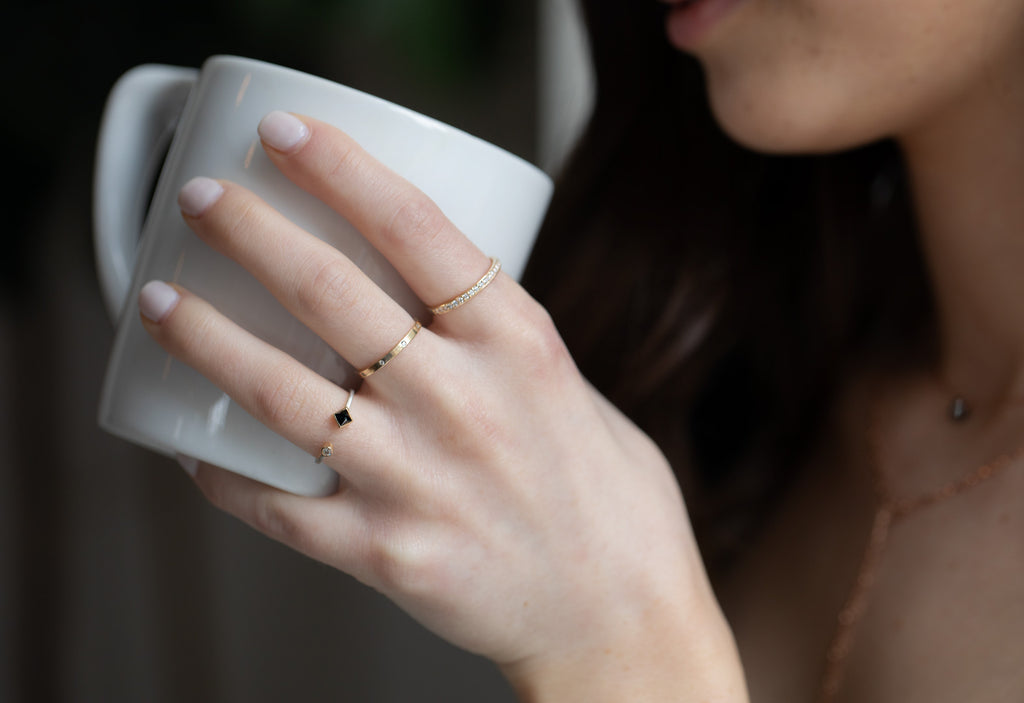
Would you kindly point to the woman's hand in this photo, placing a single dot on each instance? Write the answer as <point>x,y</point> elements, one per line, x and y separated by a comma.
<point>486,487</point>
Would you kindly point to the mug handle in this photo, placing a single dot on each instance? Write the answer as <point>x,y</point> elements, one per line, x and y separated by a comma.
<point>138,122</point>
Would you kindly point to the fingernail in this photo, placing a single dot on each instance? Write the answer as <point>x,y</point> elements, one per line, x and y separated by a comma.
<point>156,300</point>
<point>188,463</point>
<point>282,131</point>
<point>199,194</point>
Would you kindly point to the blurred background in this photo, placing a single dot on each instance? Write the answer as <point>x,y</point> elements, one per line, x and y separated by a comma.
<point>117,581</point>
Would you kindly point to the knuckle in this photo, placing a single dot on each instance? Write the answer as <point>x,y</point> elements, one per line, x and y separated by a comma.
<point>270,517</point>
<point>417,222</point>
<point>278,398</point>
<point>539,340</point>
<point>188,341</point>
<point>402,563</point>
<point>245,216</point>
<point>344,161</point>
<point>264,512</point>
<point>325,287</point>
<point>215,492</point>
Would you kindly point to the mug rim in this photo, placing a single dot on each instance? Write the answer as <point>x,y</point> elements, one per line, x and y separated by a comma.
<point>369,99</point>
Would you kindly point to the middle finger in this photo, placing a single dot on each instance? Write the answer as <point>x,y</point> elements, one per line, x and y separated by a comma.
<point>312,279</point>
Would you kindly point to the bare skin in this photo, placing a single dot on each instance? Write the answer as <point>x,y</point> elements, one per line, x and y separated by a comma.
<point>945,616</point>
<point>946,81</point>
<point>946,620</point>
<point>545,531</point>
<point>487,488</point>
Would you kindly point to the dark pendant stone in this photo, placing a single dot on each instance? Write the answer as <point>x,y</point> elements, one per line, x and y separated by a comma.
<point>958,409</point>
<point>343,417</point>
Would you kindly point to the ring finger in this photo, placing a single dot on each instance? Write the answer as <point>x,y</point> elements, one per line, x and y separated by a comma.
<point>287,397</point>
<point>312,279</point>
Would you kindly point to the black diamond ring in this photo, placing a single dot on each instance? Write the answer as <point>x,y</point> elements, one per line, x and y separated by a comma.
<point>342,417</point>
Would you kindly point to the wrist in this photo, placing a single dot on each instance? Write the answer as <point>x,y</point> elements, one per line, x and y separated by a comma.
<point>667,658</point>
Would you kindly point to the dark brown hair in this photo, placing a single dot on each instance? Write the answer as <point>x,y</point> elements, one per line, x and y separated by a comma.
<point>714,294</point>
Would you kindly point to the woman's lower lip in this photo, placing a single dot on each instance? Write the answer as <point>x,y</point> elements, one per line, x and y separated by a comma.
<point>689,24</point>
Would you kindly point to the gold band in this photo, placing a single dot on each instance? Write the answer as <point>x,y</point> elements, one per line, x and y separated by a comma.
<point>464,297</point>
<point>395,351</point>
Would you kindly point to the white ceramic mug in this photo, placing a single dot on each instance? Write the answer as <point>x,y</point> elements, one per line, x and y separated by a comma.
<point>210,117</point>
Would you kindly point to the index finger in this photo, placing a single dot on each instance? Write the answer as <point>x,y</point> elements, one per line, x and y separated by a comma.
<point>407,227</point>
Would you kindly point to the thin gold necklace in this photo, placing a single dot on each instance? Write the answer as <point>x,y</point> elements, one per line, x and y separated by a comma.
<point>890,511</point>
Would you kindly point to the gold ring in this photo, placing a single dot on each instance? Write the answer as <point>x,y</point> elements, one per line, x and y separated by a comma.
<point>464,297</point>
<point>342,417</point>
<point>395,351</point>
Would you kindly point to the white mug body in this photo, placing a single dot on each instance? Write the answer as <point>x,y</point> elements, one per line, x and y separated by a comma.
<point>149,398</point>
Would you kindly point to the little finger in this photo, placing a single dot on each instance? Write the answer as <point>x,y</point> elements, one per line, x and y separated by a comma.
<point>332,529</point>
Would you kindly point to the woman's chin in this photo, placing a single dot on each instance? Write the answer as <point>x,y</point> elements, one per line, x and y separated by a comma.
<point>767,122</point>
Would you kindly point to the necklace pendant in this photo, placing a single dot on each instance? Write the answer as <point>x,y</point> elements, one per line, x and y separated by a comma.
<point>958,410</point>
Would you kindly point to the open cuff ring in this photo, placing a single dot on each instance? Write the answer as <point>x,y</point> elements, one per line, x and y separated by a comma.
<point>395,351</point>
<point>343,417</point>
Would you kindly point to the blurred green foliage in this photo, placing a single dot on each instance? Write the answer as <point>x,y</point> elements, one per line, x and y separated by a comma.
<point>450,40</point>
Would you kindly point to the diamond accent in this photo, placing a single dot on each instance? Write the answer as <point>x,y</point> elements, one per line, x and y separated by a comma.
<point>325,451</point>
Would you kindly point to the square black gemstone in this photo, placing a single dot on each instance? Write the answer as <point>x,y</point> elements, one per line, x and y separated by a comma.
<point>343,417</point>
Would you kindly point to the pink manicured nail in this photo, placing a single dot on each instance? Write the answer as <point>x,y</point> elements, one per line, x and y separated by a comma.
<point>282,131</point>
<point>156,300</point>
<point>188,463</point>
<point>199,194</point>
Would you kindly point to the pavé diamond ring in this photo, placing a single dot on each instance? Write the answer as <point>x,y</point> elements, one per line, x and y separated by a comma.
<point>464,297</point>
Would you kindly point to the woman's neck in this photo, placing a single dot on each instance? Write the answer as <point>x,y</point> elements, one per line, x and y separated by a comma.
<point>967,174</point>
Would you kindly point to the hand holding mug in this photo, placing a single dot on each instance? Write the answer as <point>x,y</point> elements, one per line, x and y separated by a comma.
<point>212,116</point>
<point>484,485</point>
